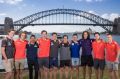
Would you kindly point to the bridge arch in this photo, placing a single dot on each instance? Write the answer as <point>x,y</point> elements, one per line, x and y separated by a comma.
<point>94,19</point>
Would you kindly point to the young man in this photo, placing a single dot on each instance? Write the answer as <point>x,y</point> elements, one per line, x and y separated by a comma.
<point>54,56</point>
<point>112,57</point>
<point>99,55</point>
<point>32,58</point>
<point>8,49</point>
<point>20,54</point>
<point>43,54</point>
<point>75,55</point>
<point>86,56</point>
<point>65,57</point>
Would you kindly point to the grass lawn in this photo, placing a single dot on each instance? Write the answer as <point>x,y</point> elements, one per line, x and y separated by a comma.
<point>93,75</point>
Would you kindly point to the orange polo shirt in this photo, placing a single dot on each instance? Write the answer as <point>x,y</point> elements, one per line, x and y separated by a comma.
<point>20,46</point>
<point>111,51</point>
<point>98,49</point>
<point>44,47</point>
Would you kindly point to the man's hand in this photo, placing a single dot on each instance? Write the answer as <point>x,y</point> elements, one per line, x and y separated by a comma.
<point>117,60</point>
<point>6,60</point>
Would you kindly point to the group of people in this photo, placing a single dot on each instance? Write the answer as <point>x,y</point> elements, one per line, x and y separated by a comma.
<point>43,56</point>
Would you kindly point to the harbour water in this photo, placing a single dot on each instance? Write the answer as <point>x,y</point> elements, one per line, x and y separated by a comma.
<point>103,36</point>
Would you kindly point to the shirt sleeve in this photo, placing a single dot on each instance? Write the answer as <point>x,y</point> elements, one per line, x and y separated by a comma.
<point>4,43</point>
<point>26,46</point>
<point>37,44</point>
<point>92,44</point>
<point>117,46</point>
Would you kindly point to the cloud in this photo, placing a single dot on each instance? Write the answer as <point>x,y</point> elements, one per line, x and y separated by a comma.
<point>12,2</point>
<point>1,1</point>
<point>111,16</point>
<point>93,12</point>
<point>3,14</point>
<point>2,17</point>
<point>88,0</point>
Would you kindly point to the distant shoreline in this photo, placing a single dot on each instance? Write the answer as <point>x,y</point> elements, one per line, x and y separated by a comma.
<point>65,33</point>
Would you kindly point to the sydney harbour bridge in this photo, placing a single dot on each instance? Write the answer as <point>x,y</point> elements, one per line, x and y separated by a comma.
<point>63,17</point>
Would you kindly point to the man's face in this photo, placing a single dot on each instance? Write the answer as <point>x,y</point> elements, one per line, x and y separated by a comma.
<point>85,35</point>
<point>65,39</point>
<point>32,39</point>
<point>23,36</point>
<point>97,36</point>
<point>54,36</point>
<point>109,37</point>
<point>75,38</point>
<point>44,35</point>
<point>11,34</point>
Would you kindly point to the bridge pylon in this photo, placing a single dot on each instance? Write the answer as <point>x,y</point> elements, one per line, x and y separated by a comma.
<point>116,26</point>
<point>8,24</point>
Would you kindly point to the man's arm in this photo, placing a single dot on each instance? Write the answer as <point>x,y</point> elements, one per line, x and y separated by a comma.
<point>3,53</point>
<point>118,53</point>
<point>3,45</point>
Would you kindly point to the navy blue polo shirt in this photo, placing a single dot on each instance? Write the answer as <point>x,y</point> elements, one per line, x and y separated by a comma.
<point>86,45</point>
<point>32,50</point>
<point>75,49</point>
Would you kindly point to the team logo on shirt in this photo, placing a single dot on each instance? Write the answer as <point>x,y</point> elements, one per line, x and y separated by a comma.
<point>9,44</point>
<point>72,43</point>
<point>62,44</point>
<point>35,45</point>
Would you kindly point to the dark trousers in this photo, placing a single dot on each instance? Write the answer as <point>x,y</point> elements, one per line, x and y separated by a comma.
<point>33,64</point>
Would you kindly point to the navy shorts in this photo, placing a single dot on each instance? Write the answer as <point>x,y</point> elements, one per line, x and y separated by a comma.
<point>87,60</point>
<point>99,64</point>
<point>53,62</point>
<point>64,63</point>
<point>43,62</point>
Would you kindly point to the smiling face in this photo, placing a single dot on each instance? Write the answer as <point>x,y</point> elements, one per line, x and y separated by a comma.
<point>97,36</point>
<point>109,38</point>
<point>11,34</point>
<point>23,36</point>
<point>65,39</point>
<point>44,35</point>
<point>75,38</point>
<point>32,39</point>
<point>54,37</point>
<point>85,35</point>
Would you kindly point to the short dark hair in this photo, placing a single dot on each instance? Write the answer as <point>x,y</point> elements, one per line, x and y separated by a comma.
<point>65,36</point>
<point>22,33</point>
<point>75,34</point>
<point>43,31</point>
<point>96,33</point>
<point>87,33</point>
<point>32,36</point>
<point>10,30</point>
<point>109,34</point>
<point>54,33</point>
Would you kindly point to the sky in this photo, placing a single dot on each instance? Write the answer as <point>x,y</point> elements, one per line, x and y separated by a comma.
<point>18,9</point>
